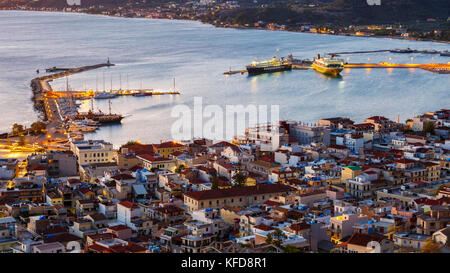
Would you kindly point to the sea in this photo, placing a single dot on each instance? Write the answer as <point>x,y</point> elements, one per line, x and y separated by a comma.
<point>151,53</point>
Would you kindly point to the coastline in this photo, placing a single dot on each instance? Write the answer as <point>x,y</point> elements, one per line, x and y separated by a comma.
<point>206,25</point>
<point>240,27</point>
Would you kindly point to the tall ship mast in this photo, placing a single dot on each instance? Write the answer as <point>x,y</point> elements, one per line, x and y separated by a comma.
<point>99,116</point>
<point>269,66</point>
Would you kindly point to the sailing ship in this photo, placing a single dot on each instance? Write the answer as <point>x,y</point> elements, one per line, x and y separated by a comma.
<point>100,117</point>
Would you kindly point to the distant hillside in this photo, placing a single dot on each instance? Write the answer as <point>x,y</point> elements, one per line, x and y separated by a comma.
<point>291,12</point>
<point>343,12</point>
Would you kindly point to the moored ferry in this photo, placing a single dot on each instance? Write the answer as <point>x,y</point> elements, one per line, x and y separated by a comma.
<point>329,66</point>
<point>269,66</point>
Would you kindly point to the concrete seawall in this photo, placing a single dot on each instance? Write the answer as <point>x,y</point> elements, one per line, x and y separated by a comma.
<point>40,85</point>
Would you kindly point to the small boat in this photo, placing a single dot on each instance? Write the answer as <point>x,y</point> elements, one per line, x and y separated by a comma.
<point>142,94</point>
<point>104,95</point>
<point>88,129</point>
<point>81,128</point>
<point>408,50</point>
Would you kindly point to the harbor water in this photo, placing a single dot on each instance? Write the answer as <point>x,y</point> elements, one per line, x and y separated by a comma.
<point>150,53</point>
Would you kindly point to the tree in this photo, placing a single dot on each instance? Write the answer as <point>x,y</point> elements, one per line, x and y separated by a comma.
<point>239,179</point>
<point>291,249</point>
<point>214,182</point>
<point>131,142</point>
<point>431,247</point>
<point>269,239</point>
<point>278,237</point>
<point>429,128</point>
<point>17,129</point>
<point>180,168</point>
<point>38,127</point>
<point>278,234</point>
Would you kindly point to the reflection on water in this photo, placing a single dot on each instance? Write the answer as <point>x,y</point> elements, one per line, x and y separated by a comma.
<point>150,53</point>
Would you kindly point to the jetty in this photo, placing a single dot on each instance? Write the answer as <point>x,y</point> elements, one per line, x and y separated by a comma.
<point>70,71</point>
<point>231,72</point>
<point>407,50</point>
<point>58,106</point>
<point>440,68</point>
<point>120,92</point>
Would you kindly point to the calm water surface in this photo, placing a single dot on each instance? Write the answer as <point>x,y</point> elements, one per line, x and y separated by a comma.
<point>150,53</point>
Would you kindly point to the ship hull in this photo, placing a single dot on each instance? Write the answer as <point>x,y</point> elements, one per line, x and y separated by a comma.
<point>328,71</point>
<point>108,120</point>
<point>103,119</point>
<point>270,69</point>
<point>104,97</point>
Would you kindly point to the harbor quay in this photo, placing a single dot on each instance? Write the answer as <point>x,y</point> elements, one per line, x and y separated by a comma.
<point>59,109</point>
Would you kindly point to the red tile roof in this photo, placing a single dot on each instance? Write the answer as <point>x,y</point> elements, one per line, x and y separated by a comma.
<point>73,181</point>
<point>128,204</point>
<point>272,203</point>
<point>152,158</point>
<point>169,144</point>
<point>222,144</point>
<point>62,238</point>
<point>339,147</point>
<point>264,227</point>
<point>102,236</point>
<point>405,161</point>
<point>140,148</point>
<point>362,239</point>
<point>169,209</point>
<point>299,226</point>
<point>118,227</point>
<point>240,191</point>
<point>378,118</point>
<point>123,176</point>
